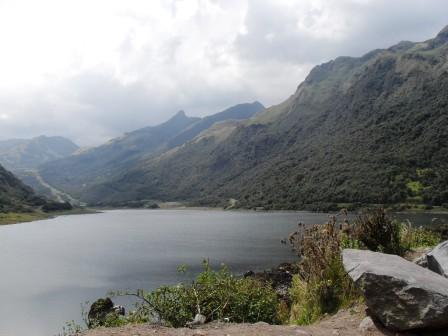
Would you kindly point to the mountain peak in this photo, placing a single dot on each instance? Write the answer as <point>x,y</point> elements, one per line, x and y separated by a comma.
<point>181,113</point>
<point>443,34</point>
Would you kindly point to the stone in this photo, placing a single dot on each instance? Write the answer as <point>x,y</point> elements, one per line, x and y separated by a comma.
<point>199,319</point>
<point>400,294</point>
<point>366,326</point>
<point>437,259</point>
<point>99,310</point>
<point>421,261</point>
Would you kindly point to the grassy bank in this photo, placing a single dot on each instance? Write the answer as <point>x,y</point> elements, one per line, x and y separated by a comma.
<point>16,218</point>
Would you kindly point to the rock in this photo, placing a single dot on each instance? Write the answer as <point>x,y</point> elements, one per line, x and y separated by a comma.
<point>249,274</point>
<point>366,326</point>
<point>399,293</point>
<point>199,319</point>
<point>280,278</point>
<point>421,261</point>
<point>437,259</point>
<point>99,310</point>
<point>119,310</point>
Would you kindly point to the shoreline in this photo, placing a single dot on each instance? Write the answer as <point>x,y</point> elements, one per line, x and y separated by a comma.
<point>27,217</point>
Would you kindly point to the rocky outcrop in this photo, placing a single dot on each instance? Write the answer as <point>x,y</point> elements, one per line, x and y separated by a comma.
<point>437,259</point>
<point>280,278</point>
<point>399,293</point>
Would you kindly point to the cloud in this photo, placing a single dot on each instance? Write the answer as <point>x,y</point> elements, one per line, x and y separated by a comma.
<point>93,70</point>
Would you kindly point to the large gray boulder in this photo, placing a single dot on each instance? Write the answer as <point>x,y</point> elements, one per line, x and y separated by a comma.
<point>437,259</point>
<point>400,294</point>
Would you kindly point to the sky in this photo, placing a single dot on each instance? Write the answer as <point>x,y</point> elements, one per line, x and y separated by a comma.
<point>91,70</point>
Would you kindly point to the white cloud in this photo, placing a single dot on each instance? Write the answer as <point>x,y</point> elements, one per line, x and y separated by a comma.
<point>94,69</point>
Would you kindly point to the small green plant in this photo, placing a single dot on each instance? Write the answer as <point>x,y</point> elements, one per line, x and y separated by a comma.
<point>214,294</point>
<point>71,328</point>
<point>412,238</point>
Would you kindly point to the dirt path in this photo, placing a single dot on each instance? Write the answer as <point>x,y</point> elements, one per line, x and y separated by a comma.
<point>344,323</point>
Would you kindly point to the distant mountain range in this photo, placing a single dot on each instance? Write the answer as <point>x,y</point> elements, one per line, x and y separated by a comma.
<point>18,154</point>
<point>372,129</point>
<point>78,173</point>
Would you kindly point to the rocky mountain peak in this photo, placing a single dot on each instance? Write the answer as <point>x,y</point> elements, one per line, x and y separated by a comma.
<point>443,34</point>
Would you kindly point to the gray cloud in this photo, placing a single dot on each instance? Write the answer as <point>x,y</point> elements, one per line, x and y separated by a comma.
<point>200,56</point>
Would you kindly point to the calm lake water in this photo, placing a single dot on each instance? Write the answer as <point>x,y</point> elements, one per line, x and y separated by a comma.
<point>48,268</point>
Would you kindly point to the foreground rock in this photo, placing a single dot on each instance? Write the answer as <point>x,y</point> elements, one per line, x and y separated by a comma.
<point>402,295</point>
<point>437,259</point>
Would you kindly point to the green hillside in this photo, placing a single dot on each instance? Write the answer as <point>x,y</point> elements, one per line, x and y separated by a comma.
<point>372,129</point>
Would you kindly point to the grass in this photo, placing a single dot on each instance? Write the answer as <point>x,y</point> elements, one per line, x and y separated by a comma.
<point>18,217</point>
<point>322,285</point>
<point>14,218</point>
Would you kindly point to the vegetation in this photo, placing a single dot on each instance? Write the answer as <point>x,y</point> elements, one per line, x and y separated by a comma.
<point>322,285</point>
<point>12,218</point>
<point>214,294</point>
<point>51,206</point>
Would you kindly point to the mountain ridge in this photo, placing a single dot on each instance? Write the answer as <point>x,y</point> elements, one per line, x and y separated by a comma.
<point>369,129</point>
<point>76,173</point>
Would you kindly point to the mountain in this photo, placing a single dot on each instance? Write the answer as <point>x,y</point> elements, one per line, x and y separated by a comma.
<point>372,129</point>
<point>79,172</point>
<point>15,196</point>
<point>17,154</point>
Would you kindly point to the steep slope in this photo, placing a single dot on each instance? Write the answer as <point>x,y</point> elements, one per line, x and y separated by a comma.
<point>16,154</point>
<point>372,129</point>
<point>79,172</point>
<point>15,196</point>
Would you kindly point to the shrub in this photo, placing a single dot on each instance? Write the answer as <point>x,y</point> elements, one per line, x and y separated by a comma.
<point>377,232</point>
<point>214,294</point>
<point>56,206</point>
<point>322,285</point>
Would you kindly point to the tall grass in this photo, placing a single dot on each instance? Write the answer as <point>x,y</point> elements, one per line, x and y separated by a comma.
<point>322,285</point>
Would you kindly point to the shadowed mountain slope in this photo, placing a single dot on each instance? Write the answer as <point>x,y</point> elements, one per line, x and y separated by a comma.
<point>15,196</point>
<point>80,172</point>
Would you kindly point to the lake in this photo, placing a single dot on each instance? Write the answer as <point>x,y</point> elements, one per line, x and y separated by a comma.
<point>50,267</point>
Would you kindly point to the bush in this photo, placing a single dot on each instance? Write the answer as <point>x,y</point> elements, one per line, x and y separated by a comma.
<point>322,285</point>
<point>214,294</point>
<point>377,232</point>
<point>56,206</point>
